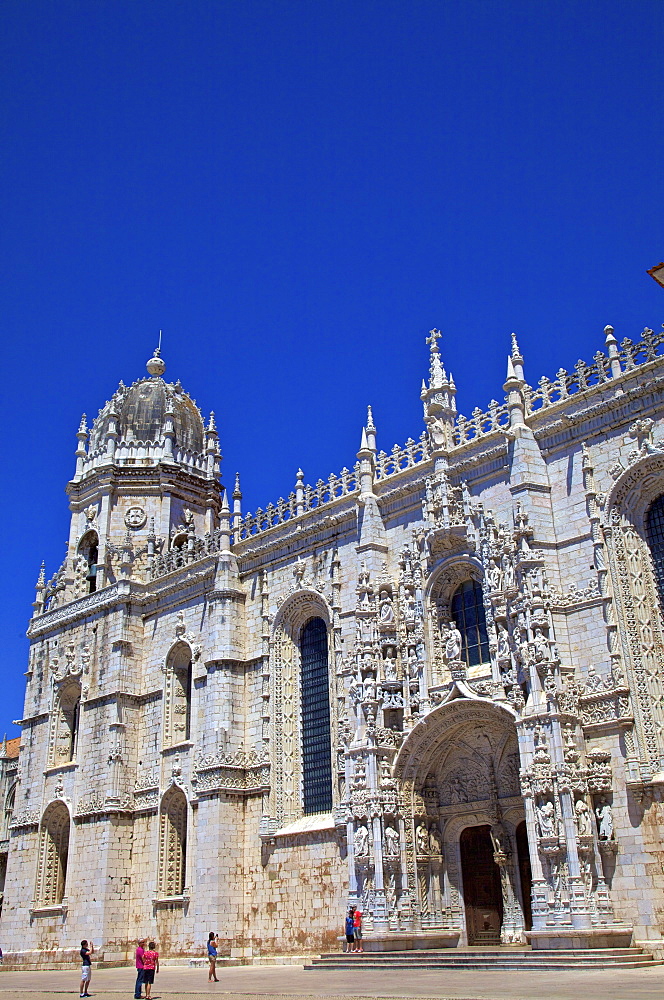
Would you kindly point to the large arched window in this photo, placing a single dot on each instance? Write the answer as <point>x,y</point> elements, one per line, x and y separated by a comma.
<point>65,724</point>
<point>172,843</point>
<point>177,707</point>
<point>316,739</point>
<point>53,851</point>
<point>655,536</point>
<point>468,612</point>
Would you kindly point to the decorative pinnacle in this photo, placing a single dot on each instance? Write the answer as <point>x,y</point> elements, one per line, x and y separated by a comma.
<point>370,423</point>
<point>212,426</point>
<point>83,426</point>
<point>511,374</point>
<point>237,492</point>
<point>437,375</point>
<point>609,336</point>
<point>42,576</point>
<point>516,353</point>
<point>224,503</point>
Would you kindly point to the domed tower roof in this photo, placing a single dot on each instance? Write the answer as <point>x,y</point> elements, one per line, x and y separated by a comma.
<point>149,421</point>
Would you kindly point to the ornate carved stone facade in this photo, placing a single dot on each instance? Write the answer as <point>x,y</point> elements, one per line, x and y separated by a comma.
<point>470,747</point>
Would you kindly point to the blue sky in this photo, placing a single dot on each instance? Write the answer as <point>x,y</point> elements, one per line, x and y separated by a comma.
<point>296,192</point>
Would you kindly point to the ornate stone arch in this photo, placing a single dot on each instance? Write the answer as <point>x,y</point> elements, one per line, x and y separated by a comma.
<point>65,718</point>
<point>178,688</point>
<point>636,629</point>
<point>285,701</point>
<point>439,590</point>
<point>53,852</point>
<point>85,562</point>
<point>173,823</point>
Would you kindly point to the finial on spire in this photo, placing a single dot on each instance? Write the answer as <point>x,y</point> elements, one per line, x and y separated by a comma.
<point>237,492</point>
<point>212,426</point>
<point>42,576</point>
<point>517,359</point>
<point>83,426</point>
<point>156,365</point>
<point>370,423</point>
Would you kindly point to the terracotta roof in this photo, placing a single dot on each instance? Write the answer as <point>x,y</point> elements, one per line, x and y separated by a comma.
<point>12,747</point>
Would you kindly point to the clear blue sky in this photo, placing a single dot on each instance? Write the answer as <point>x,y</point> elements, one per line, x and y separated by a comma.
<point>296,192</point>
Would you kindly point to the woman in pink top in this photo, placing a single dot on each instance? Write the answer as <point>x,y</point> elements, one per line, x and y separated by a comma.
<point>150,966</point>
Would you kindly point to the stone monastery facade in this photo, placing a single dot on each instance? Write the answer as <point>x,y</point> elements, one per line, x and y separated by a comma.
<point>432,685</point>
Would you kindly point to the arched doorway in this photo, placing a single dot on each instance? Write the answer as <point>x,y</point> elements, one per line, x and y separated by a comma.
<point>482,893</point>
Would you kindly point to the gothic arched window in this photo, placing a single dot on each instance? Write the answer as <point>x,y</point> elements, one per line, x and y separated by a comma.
<point>172,843</point>
<point>467,609</point>
<point>177,706</point>
<point>65,724</point>
<point>316,737</point>
<point>655,536</point>
<point>9,810</point>
<point>88,550</point>
<point>53,851</point>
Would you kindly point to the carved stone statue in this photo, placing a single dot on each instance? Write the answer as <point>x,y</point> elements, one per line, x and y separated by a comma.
<point>509,579</point>
<point>604,815</point>
<point>540,645</point>
<point>413,664</point>
<point>453,643</point>
<point>361,842</point>
<point>422,839</point>
<point>503,645</point>
<point>391,841</point>
<point>390,664</point>
<point>457,791</point>
<point>494,576</point>
<point>583,822</point>
<point>546,819</point>
<point>435,840</point>
<point>386,608</point>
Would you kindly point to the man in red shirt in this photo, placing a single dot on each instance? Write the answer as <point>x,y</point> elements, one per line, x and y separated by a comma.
<point>140,951</point>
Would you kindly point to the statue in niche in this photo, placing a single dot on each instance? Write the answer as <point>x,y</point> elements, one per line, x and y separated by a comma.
<point>391,841</point>
<point>370,689</point>
<point>546,819</point>
<point>422,839</point>
<point>361,842</point>
<point>503,645</point>
<point>604,815</point>
<point>499,838</point>
<point>509,579</point>
<point>355,690</point>
<point>390,664</point>
<point>453,643</point>
<point>582,816</point>
<point>386,608</point>
<point>540,645</point>
<point>593,680</point>
<point>435,840</point>
<point>413,664</point>
<point>494,576</point>
<point>436,429</point>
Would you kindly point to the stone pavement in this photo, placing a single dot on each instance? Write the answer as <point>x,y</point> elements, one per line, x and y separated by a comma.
<point>293,983</point>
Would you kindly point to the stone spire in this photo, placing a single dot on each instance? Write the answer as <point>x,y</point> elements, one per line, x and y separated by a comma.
<point>81,449</point>
<point>237,503</point>
<point>517,359</point>
<point>439,400</point>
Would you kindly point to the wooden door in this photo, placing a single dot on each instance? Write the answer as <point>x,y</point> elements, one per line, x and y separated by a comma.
<point>482,894</point>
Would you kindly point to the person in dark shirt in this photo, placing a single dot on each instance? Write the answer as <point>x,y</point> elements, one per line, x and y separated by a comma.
<point>350,936</point>
<point>86,967</point>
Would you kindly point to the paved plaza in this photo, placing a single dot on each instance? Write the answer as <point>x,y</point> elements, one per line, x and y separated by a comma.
<point>294,983</point>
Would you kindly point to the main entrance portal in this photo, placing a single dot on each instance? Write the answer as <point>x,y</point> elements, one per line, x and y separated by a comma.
<point>481,886</point>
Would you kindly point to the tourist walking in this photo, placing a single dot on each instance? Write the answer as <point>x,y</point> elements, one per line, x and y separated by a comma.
<point>349,944</point>
<point>86,967</point>
<point>140,951</point>
<point>357,930</point>
<point>212,957</point>
<point>150,966</point>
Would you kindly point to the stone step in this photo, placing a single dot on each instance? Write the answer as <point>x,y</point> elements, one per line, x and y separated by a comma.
<point>507,959</point>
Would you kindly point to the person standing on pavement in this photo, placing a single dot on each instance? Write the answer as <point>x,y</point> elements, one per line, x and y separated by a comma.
<point>150,966</point>
<point>140,951</point>
<point>357,930</point>
<point>350,937</point>
<point>86,966</point>
<point>212,957</point>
